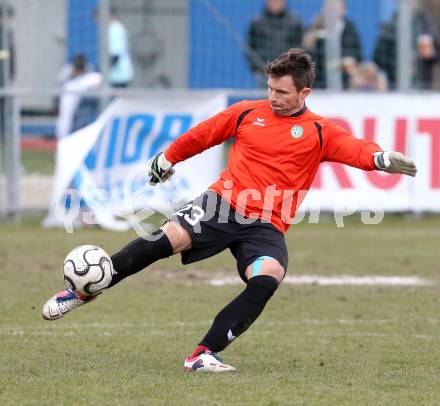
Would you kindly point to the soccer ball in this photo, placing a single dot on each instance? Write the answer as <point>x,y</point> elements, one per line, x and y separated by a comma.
<point>87,270</point>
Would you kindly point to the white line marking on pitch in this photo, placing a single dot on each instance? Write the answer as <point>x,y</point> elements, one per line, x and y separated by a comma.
<point>337,280</point>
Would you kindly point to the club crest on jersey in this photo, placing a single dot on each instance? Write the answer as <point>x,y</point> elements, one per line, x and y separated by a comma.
<point>296,131</point>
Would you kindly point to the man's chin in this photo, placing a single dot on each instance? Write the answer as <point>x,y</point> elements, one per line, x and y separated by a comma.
<point>279,111</point>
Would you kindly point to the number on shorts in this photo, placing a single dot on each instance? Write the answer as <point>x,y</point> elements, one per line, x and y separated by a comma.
<point>197,214</point>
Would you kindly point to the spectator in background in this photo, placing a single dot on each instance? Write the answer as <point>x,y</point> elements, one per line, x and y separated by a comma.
<point>121,71</point>
<point>315,43</point>
<point>76,110</point>
<point>69,70</point>
<point>425,42</point>
<point>365,76</point>
<point>274,31</point>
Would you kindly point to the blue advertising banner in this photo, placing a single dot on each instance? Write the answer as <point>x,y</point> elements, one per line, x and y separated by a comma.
<point>101,175</point>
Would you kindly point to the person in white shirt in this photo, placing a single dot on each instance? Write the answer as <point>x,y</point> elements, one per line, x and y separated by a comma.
<point>80,81</point>
<point>121,71</point>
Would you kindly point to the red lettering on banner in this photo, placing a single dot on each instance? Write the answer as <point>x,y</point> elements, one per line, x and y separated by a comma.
<point>340,173</point>
<point>379,179</point>
<point>431,126</point>
<point>338,169</point>
<point>342,123</point>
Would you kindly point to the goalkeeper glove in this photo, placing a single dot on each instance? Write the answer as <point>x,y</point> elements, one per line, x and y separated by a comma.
<point>159,169</point>
<point>394,162</point>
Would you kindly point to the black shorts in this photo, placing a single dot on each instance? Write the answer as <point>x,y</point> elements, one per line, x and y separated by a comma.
<point>214,226</point>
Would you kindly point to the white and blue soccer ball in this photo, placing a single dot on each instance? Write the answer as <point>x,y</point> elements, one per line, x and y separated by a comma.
<point>87,270</point>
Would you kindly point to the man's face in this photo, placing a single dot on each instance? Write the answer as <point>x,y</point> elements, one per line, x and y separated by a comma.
<point>342,8</point>
<point>275,6</point>
<point>283,97</point>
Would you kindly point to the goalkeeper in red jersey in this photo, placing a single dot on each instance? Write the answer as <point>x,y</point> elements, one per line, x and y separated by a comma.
<point>278,147</point>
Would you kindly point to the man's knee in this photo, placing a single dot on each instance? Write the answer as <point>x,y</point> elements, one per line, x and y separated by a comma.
<point>265,265</point>
<point>179,238</point>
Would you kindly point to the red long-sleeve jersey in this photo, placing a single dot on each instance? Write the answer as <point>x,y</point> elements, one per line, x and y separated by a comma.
<point>274,158</point>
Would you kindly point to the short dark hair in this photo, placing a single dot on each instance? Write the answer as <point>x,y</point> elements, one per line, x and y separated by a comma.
<point>297,63</point>
<point>79,62</point>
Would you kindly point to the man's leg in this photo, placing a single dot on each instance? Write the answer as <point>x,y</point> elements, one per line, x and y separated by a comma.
<point>264,276</point>
<point>171,239</point>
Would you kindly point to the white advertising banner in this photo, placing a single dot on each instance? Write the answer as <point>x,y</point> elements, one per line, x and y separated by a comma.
<point>409,123</point>
<point>106,161</point>
<point>102,167</point>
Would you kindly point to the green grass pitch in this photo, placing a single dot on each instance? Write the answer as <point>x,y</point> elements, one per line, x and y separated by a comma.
<point>313,345</point>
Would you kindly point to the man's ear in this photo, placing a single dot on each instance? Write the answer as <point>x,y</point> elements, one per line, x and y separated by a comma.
<point>306,91</point>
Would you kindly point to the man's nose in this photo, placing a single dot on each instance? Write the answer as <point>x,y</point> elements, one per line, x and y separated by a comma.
<point>272,96</point>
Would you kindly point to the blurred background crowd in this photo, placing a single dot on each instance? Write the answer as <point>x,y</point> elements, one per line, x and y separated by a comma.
<point>62,61</point>
<point>377,45</point>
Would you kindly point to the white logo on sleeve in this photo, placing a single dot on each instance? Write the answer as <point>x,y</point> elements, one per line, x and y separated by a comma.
<point>231,336</point>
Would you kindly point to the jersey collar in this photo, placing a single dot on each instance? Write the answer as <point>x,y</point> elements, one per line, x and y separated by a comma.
<point>299,112</point>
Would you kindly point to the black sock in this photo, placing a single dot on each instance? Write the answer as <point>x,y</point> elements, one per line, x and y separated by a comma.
<point>238,315</point>
<point>138,254</point>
